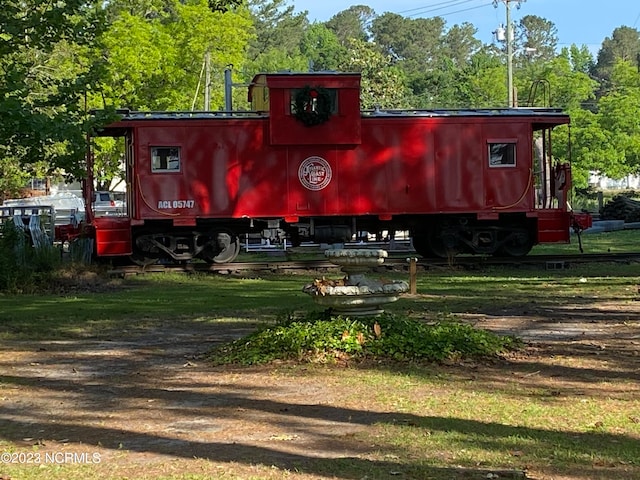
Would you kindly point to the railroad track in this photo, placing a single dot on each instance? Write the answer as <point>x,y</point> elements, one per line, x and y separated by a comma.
<point>550,262</point>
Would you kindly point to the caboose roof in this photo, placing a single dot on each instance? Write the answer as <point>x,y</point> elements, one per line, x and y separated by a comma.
<point>539,117</point>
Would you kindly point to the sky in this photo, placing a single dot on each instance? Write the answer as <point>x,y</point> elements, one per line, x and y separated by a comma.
<point>583,22</point>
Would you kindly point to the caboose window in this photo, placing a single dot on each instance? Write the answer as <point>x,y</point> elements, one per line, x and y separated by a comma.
<point>502,154</point>
<point>314,98</point>
<point>165,159</point>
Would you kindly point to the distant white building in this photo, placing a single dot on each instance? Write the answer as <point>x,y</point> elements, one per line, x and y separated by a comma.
<point>602,182</point>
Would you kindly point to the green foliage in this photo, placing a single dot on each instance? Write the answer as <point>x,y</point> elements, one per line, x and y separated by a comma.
<point>537,38</point>
<point>43,76</point>
<point>624,44</point>
<point>154,59</point>
<point>321,337</point>
<point>156,63</point>
<point>352,23</point>
<point>568,89</point>
<point>580,57</point>
<point>277,26</point>
<point>322,47</point>
<point>605,140</point>
<point>482,81</point>
<point>59,59</point>
<point>383,84</point>
<point>277,39</point>
<point>223,5</point>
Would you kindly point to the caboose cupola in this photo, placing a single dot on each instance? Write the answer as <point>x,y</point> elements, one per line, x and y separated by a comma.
<point>317,108</point>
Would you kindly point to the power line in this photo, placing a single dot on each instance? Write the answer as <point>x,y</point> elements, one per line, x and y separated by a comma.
<point>454,2</point>
<point>465,9</point>
<point>437,6</point>
<point>419,11</point>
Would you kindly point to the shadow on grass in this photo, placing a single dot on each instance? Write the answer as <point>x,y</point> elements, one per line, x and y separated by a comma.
<point>561,446</point>
<point>140,368</point>
<point>88,383</point>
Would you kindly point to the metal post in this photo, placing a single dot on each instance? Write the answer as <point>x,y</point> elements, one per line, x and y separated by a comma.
<point>227,90</point>
<point>207,81</point>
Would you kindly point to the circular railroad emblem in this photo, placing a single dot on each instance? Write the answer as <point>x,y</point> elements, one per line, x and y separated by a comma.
<point>314,173</point>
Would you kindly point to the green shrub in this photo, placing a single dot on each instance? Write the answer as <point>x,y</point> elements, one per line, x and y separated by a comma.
<point>319,337</point>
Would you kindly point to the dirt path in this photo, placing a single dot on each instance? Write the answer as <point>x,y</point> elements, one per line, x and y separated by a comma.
<point>149,399</point>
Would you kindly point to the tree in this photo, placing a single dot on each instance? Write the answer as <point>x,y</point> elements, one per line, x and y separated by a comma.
<point>352,23</point>
<point>618,112</point>
<point>606,140</point>
<point>406,40</point>
<point>156,62</point>
<point>580,57</point>
<point>554,83</point>
<point>482,81</point>
<point>536,40</point>
<point>138,54</point>
<point>224,5</point>
<point>278,35</point>
<point>589,150</point>
<point>624,44</point>
<point>383,84</point>
<point>322,47</point>
<point>460,44</point>
<point>43,76</point>
<point>441,83</point>
<point>414,46</point>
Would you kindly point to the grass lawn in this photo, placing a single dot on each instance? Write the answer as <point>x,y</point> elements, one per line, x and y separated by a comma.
<point>561,409</point>
<point>619,241</point>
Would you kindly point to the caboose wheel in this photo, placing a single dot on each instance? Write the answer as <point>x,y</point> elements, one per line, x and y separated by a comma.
<point>442,245</point>
<point>434,244</point>
<point>517,244</point>
<point>223,248</point>
<point>144,252</point>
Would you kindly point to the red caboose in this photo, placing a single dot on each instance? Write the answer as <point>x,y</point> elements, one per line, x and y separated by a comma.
<point>307,162</point>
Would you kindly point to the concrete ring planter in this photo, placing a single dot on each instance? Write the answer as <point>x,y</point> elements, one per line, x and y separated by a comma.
<point>357,294</point>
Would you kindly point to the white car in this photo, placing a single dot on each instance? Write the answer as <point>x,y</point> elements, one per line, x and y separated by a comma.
<point>105,203</point>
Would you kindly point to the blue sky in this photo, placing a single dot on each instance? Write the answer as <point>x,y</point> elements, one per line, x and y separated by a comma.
<point>583,22</point>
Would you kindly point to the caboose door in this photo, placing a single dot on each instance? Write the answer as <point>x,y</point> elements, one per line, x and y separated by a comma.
<point>507,167</point>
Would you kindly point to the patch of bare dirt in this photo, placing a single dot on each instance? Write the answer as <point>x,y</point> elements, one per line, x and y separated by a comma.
<point>80,279</point>
<point>149,403</point>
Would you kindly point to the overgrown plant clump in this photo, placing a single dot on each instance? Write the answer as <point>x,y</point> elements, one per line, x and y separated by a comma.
<point>23,267</point>
<point>320,337</point>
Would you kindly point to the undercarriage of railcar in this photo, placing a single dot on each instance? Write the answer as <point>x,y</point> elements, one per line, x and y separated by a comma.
<point>433,236</point>
<point>213,243</point>
<point>448,235</point>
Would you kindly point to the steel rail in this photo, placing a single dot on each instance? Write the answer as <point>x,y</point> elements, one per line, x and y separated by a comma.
<point>393,263</point>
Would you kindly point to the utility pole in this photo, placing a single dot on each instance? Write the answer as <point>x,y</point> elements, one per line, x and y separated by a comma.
<point>509,41</point>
